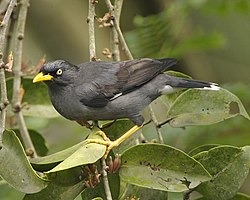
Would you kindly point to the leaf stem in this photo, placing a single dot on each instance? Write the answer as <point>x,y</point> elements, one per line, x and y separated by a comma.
<point>4,99</point>
<point>16,98</point>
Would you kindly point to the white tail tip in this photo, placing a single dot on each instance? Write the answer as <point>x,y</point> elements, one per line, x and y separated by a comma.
<point>213,87</point>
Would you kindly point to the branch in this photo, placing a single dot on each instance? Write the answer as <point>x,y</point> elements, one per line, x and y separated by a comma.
<point>4,98</point>
<point>17,97</point>
<point>105,180</point>
<point>92,55</point>
<point>118,30</point>
<point>114,35</point>
<point>91,22</point>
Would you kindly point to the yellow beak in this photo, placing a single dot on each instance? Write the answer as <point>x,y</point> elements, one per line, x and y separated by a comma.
<point>41,77</point>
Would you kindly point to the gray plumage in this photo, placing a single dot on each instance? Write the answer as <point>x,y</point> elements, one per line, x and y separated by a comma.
<point>111,90</point>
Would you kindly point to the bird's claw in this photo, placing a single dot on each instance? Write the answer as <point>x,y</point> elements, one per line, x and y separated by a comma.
<point>103,135</point>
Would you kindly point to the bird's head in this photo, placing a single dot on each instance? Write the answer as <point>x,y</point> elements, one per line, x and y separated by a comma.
<point>57,72</point>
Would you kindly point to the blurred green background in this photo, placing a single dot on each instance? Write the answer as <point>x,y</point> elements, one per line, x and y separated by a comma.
<point>209,38</point>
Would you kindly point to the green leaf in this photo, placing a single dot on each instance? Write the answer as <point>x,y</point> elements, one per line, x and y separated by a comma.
<point>8,193</point>
<point>136,192</point>
<point>229,167</point>
<point>48,162</point>
<point>36,99</point>
<point>87,153</point>
<point>15,167</point>
<point>238,196</point>
<point>202,107</point>
<point>57,192</point>
<point>66,184</point>
<point>161,167</point>
<point>37,140</point>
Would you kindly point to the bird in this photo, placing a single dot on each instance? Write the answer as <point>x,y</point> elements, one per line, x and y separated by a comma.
<point>104,90</point>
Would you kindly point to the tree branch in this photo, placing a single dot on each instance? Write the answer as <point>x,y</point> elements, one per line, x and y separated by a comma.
<point>4,98</point>
<point>118,30</point>
<point>91,22</point>
<point>17,98</point>
<point>105,180</point>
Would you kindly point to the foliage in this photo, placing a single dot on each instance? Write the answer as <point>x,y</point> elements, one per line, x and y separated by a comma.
<point>167,35</point>
<point>147,171</point>
<point>154,166</point>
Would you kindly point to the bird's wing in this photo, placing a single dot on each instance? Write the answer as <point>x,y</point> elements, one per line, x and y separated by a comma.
<point>106,81</point>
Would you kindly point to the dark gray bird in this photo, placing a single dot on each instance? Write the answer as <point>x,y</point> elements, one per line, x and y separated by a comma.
<point>110,90</point>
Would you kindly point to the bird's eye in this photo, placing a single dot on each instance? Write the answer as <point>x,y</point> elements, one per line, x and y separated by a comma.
<point>59,72</point>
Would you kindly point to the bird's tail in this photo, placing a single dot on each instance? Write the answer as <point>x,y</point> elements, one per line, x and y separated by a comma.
<point>173,84</point>
<point>190,83</point>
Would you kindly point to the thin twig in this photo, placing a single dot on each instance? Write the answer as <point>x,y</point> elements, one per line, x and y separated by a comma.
<point>119,32</point>
<point>115,12</point>
<point>114,35</point>
<point>16,98</point>
<point>91,22</point>
<point>105,180</point>
<point>153,117</point>
<point>4,98</point>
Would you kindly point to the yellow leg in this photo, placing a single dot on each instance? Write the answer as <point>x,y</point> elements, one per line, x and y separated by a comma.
<point>111,144</point>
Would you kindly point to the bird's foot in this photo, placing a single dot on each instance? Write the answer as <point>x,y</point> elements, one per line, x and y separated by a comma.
<point>112,144</point>
<point>109,144</point>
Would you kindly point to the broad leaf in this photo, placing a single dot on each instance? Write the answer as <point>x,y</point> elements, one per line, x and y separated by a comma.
<point>48,162</point>
<point>161,167</point>
<point>135,192</point>
<point>229,167</point>
<point>56,192</point>
<point>9,193</point>
<point>15,167</point>
<point>201,107</point>
<point>65,184</point>
<point>238,196</point>
<point>86,154</point>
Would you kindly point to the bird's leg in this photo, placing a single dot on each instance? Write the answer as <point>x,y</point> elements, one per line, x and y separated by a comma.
<point>121,139</point>
<point>111,144</point>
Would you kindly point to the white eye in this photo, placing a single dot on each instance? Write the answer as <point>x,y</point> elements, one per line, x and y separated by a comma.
<point>59,72</point>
